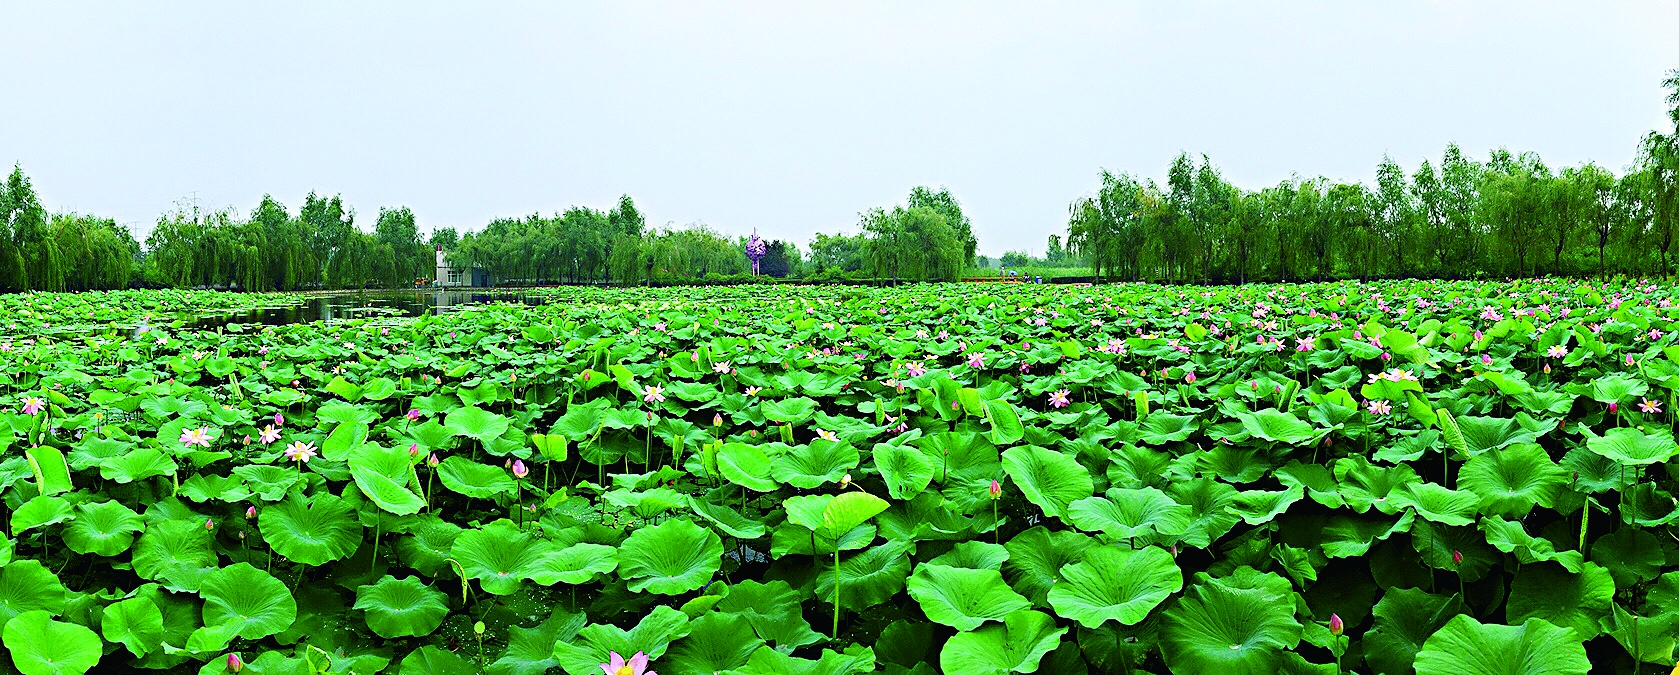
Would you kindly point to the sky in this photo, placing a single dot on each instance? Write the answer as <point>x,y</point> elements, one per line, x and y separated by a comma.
<point>792,118</point>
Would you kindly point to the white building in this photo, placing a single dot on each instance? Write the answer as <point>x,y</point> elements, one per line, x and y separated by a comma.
<point>449,276</point>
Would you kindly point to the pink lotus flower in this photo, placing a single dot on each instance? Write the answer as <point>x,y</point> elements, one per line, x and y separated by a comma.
<point>1613,407</point>
<point>637,665</point>
<point>1650,407</point>
<point>432,461</point>
<point>753,391</point>
<point>299,451</point>
<point>210,524</point>
<point>1306,344</point>
<point>720,367</point>
<point>33,405</point>
<point>826,435</point>
<point>976,360</point>
<point>413,415</point>
<point>1379,407</point>
<point>269,435</point>
<point>1059,399</point>
<point>654,394</point>
<point>234,665</point>
<point>915,369</point>
<point>1486,359</point>
<point>519,469</point>
<point>1556,351</point>
<point>1457,558</point>
<point>192,437</point>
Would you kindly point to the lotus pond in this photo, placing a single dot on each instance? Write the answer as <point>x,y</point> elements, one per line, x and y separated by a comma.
<point>1394,477</point>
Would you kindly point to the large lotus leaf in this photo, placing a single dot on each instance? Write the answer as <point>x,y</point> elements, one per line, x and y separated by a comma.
<point>41,511</point>
<point>833,516</point>
<point>315,531</point>
<point>1005,421</point>
<point>530,651</point>
<point>1631,555</point>
<point>1277,426</point>
<point>1511,480</point>
<point>1616,387</point>
<point>854,660</point>
<point>478,481</point>
<point>1016,646</point>
<point>1435,544</point>
<point>175,552</point>
<point>595,642</point>
<point>1593,473</point>
<point>41,646</point>
<point>135,623</point>
<point>1236,626</point>
<point>344,438</point>
<point>1633,447</point>
<point>271,483</point>
<point>136,465</point>
<point>773,609</point>
<point>715,643</point>
<point>1365,485</point>
<point>1347,536</point>
<point>1437,503</point>
<point>384,474</point>
<point>1209,503</point>
<point>978,555</point>
<point>1481,434</point>
<point>476,423</point>
<point>249,601</point>
<point>1048,478</point>
<point>26,586</point>
<point>1650,639</point>
<point>1115,584</point>
<point>1257,507</point>
<point>670,558</point>
<point>1125,514</point>
<point>791,411</point>
<point>574,564</point>
<point>433,660</point>
<point>746,466</point>
<point>963,598</point>
<point>822,462</point>
<point>726,519</point>
<point>1510,537</point>
<point>1405,618</point>
<point>429,548</point>
<point>1468,647</point>
<point>1037,557</point>
<point>401,607</point>
<point>103,528</point>
<point>867,578</point>
<point>499,555</point>
<point>789,538</point>
<point>1549,592</point>
<point>907,471</point>
<point>1162,428</point>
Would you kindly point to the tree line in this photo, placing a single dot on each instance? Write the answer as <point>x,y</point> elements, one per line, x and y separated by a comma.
<point>1511,215</point>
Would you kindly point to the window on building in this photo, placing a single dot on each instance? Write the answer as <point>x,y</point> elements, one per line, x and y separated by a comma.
<point>454,277</point>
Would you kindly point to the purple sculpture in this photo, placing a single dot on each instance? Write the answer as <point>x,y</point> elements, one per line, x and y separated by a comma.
<point>755,250</point>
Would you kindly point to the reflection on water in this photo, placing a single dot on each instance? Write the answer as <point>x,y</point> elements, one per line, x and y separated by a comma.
<point>337,307</point>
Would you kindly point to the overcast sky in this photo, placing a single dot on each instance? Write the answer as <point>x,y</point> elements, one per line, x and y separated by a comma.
<point>792,117</point>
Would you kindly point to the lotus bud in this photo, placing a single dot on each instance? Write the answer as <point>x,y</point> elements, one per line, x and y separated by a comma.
<point>478,627</point>
<point>280,420</point>
<point>585,376</point>
<point>1547,369</point>
<point>507,464</point>
<point>247,440</point>
<point>210,524</point>
<point>717,420</point>
<point>432,461</point>
<point>250,511</point>
<point>1336,627</point>
<point>1174,550</point>
<point>1613,407</point>
<point>413,415</point>
<point>1189,377</point>
<point>413,449</point>
<point>520,471</point>
<point>845,481</point>
<point>234,665</point>
<point>1457,557</point>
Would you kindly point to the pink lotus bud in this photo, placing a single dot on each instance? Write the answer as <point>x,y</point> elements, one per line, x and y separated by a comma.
<point>280,420</point>
<point>413,449</point>
<point>1613,407</point>
<point>520,471</point>
<point>250,512</point>
<point>1336,627</point>
<point>996,489</point>
<point>717,420</point>
<point>210,524</point>
<point>413,415</point>
<point>1457,558</point>
<point>234,665</point>
<point>432,461</point>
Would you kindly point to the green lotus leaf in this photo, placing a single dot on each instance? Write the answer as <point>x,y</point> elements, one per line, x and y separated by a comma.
<point>773,609</point>
<point>1650,639</point>
<point>1277,426</point>
<point>136,465</point>
<point>715,643</point>
<point>822,462</point>
<point>1594,473</point>
<point>401,607</point>
<point>1481,434</point>
<point>1016,646</point>
<point>1365,485</point>
<point>1510,537</point>
<point>250,602</point>
<point>1347,536</point>
<point>746,466</point>
<point>1005,421</point>
<point>1257,507</point>
<point>1163,428</point>
<point>1405,618</point>
<point>135,623</point>
<point>1632,447</point>
<point>977,555</point>
<point>476,423</point>
<point>794,411</point>
<point>530,651</point>
<point>430,547</point>
<point>1616,387</point>
<point>1631,555</point>
<point>384,475</point>
<point>1126,514</point>
<point>27,586</point>
<point>832,516</point>
<point>499,555</point>
<point>271,483</point>
<point>1510,481</point>
<point>1036,558</point>
<point>1435,543</point>
<point>867,579</point>
<point>311,531</point>
<point>175,552</point>
<point>1468,647</point>
<point>594,642</point>
<point>41,646</point>
<point>854,660</point>
<point>963,598</point>
<point>1549,592</point>
<point>670,558</point>
<point>907,471</point>
<point>103,528</point>
<point>1232,626</point>
<point>726,519</point>
<point>574,564</point>
<point>478,481</point>
<point>41,511</point>
<point>344,438</point>
<point>433,660</point>
<point>1049,479</point>
<point>1209,502</point>
<point>1437,504</point>
<point>790,538</point>
<point>1112,584</point>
